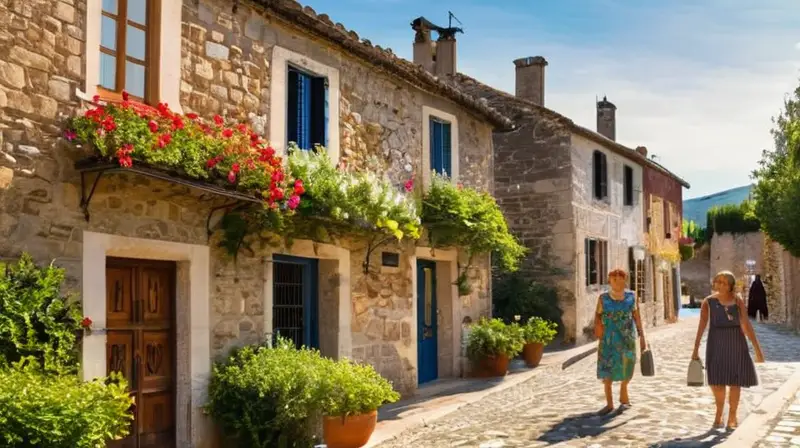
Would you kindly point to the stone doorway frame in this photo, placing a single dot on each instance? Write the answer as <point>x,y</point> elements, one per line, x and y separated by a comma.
<point>447,295</point>
<point>332,259</point>
<point>192,322</point>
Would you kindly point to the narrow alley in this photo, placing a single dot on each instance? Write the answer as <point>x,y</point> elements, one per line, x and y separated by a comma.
<point>560,410</point>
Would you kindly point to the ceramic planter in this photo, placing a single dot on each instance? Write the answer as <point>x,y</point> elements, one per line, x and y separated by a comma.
<point>532,353</point>
<point>352,431</point>
<point>492,366</point>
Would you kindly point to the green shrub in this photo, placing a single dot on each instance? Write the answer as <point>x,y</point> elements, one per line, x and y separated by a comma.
<point>43,410</point>
<point>352,389</point>
<point>37,323</point>
<point>687,252</point>
<point>515,295</point>
<point>271,397</point>
<point>733,218</point>
<point>538,330</point>
<point>492,337</point>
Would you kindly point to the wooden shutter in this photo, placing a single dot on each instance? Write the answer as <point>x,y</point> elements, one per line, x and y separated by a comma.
<point>447,151</point>
<point>587,257</point>
<point>318,112</point>
<point>603,176</point>
<point>436,145</point>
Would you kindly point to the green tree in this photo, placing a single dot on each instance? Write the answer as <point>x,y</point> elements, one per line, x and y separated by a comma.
<point>778,179</point>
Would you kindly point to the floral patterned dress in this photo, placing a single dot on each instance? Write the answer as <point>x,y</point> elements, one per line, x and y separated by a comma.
<point>616,352</point>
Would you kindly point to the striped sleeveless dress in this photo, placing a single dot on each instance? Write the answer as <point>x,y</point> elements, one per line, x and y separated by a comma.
<point>728,361</point>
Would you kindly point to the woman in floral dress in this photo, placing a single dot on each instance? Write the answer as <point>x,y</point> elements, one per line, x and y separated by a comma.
<point>616,323</point>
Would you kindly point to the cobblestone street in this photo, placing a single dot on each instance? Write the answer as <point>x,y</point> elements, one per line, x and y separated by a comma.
<point>560,410</point>
<point>786,428</point>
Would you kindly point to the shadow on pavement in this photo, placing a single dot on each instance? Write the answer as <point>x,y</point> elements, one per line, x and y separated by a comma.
<point>588,424</point>
<point>710,438</point>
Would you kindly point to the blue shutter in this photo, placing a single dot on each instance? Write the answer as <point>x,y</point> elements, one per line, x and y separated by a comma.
<point>447,153</point>
<point>304,111</point>
<point>436,145</point>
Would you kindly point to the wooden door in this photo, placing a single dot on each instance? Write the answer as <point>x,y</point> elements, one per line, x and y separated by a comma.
<point>140,298</point>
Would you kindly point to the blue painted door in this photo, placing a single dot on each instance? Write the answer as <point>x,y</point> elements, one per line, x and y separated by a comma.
<point>427,340</point>
<point>295,299</point>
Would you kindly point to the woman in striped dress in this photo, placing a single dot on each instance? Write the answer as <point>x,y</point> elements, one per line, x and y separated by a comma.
<point>728,362</point>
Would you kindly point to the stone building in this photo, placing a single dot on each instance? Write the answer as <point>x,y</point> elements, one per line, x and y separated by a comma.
<point>573,195</point>
<point>137,233</point>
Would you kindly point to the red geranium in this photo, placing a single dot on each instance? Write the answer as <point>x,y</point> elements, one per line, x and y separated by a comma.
<point>86,322</point>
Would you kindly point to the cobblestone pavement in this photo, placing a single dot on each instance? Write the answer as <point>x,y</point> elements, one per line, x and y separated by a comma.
<point>786,428</point>
<point>560,410</point>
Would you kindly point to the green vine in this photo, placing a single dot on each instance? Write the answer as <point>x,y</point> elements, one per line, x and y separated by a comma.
<point>466,218</point>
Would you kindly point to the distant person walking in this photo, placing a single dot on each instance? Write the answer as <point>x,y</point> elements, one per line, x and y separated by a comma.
<point>616,323</point>
<point>728,362</point>
<point>757,300</point>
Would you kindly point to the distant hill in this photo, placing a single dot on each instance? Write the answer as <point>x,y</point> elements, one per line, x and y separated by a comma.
<point>696,209</point>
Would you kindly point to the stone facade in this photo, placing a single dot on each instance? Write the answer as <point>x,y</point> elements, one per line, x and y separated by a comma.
<point>226,66</point>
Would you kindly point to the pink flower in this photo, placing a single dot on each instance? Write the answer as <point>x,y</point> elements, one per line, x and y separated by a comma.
<point>231,177</point>
<point>218,120</point>
<point>293,202</point>
<point>409,185</point>
<point>125,96</point>
<point>153,126</point>
<point>86,322</point>
<point>70,135</point>
<point>96,99</point>
<point>227,133</point>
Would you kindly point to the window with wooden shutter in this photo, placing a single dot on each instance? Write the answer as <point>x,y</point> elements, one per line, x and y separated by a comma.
<point>628,186</point>
<point>600,175</point>
<point>596,252</point>
<point>441,147</point>
<point>129,49</point>
<point>307,109</point>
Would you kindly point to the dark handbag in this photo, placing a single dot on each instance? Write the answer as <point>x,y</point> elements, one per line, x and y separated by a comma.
<point>648,364</point>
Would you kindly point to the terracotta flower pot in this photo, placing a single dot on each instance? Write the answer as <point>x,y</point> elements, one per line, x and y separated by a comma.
<point>492,366</point>
<point>532,353</point>
<point>352,431</point>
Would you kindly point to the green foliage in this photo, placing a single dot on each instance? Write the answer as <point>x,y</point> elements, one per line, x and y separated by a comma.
<point>690,229</point>
<point>363,199</point>
<point>539,331</point>
<point>687,252</point>
<point>733,218</point>
<point>516,295</point>
<point>492,337</point>
<point>353,389</point>
<point>269,397</point>
<point>60,411</point>
<point>778,179</point>
<point>37,324</point>
<point>464,217</point>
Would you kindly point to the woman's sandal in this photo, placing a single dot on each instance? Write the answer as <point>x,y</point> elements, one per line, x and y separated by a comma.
<point>624,406</point>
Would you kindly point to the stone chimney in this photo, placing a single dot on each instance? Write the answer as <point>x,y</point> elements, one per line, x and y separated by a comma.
<point>530,79</point>
<point>642,150</point>
<point>445,54</point>
<point>424,49</point>
<point>607,119</point>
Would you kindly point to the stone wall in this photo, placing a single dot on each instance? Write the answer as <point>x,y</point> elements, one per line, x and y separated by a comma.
<point>729,252</point>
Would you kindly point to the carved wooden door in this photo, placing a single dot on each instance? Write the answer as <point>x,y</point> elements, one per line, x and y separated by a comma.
<point>140,298</point>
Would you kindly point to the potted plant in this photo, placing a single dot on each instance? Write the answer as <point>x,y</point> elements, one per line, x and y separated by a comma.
<point>350,395</point>
<point>537,333</point>
<point>491,344</point>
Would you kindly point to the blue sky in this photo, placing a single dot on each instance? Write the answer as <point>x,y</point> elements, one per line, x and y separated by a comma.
<point>696,82</point>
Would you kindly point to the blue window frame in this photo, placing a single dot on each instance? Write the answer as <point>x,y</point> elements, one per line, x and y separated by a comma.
<point>441,147</point>
<point>307,109</point>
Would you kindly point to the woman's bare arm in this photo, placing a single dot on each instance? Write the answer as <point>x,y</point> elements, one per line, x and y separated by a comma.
<point>598,317</point>
<point>637,319</point>
<point>701,328</point>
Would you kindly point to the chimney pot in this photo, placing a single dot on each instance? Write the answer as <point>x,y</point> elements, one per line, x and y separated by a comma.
<point>529,83</point>
<point>642,150</point>
<point>446,57</point>
<point>607,119</point>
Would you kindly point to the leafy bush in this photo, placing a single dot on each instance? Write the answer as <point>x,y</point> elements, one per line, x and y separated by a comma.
<point>60,411</point>
<point>538,330</point>
<point>687,252</point>
<point>464,217</point>
<point>37,323</point>
<point>516,295</point>
<point>270,397</point>
<point>692,230</point>
<point>492,337</point>
<point>733,218</point>
<point>352,389</point>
